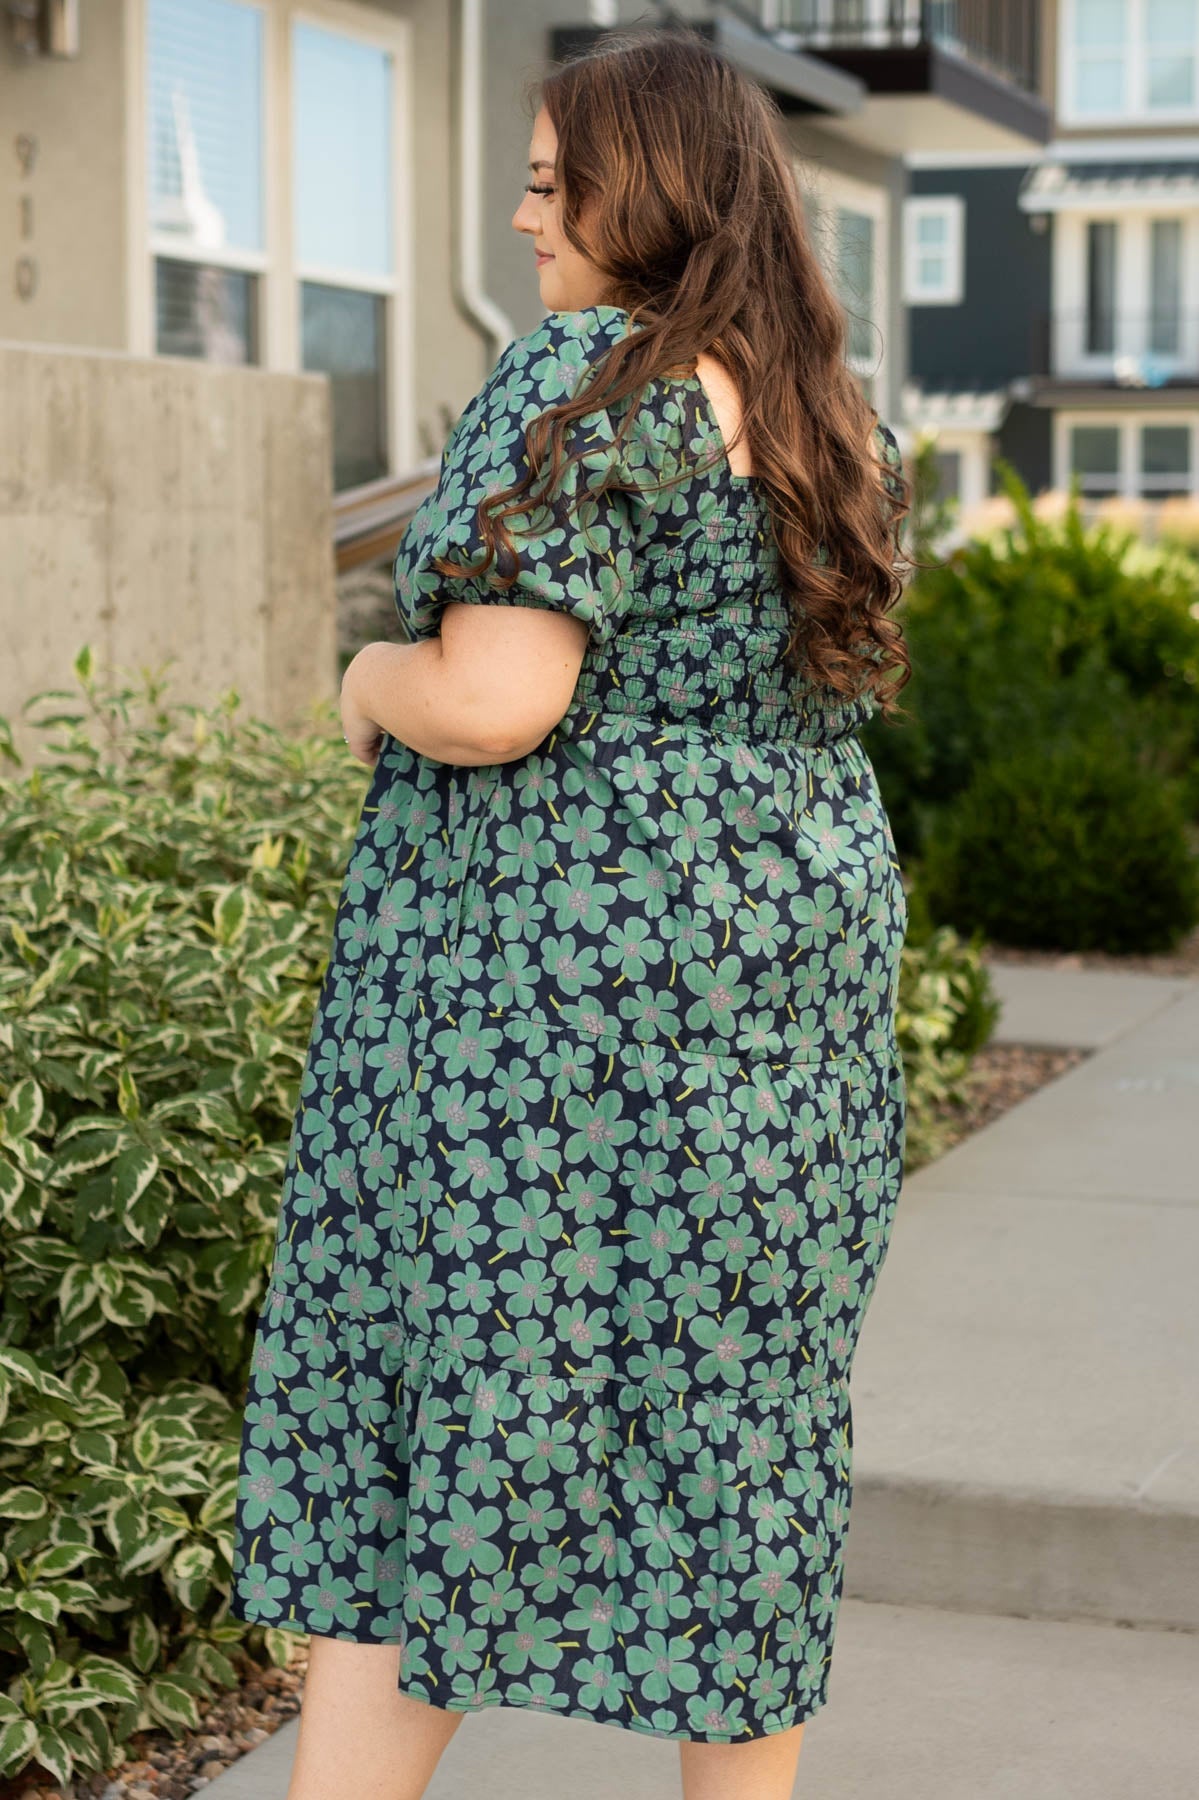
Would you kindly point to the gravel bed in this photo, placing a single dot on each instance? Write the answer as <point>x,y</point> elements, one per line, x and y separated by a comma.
<point>162,1768</point>
<point>1002,1075</point>
<point>1183,960</point>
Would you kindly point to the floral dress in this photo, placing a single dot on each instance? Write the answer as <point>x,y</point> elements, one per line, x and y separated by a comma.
<point>600,1133</point>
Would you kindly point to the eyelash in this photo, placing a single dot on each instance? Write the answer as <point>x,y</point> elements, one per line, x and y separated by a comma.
<point>531,187</point>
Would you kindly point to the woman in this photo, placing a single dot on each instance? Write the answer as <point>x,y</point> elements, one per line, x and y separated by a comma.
<point>601,1129</point>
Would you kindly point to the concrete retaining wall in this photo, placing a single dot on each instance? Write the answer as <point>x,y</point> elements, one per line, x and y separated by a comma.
<point>159,508</point>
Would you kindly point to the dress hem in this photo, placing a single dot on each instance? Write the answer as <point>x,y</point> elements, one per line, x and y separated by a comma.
<point>795,1715</point>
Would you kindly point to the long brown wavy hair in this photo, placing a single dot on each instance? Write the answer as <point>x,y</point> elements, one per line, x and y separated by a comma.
<point>693,215</point>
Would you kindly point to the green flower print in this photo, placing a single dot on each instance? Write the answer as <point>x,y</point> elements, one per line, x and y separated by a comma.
<point>598,1140</point>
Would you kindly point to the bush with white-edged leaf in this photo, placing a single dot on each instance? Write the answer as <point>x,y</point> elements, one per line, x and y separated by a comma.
<point>167,886</point>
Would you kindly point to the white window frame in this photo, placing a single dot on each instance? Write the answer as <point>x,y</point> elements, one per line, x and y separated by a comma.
<point>392,37</point>
<point>279,275</point>
<point>1136,109</point>
<point>1128,424</point>
<point>1069,289</point>
<point>952,208</point>
<point>974,451</point>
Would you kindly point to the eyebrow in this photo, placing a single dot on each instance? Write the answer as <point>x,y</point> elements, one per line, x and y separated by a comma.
<point>541,165</point>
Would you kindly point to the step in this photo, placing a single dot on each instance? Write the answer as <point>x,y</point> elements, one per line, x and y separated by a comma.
<point>1025,1429</point>
<point>923,1705</point>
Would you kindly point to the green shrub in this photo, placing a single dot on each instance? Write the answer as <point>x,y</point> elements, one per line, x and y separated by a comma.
<point>1041,629</point>
<point>167,897</point>
<point>947,1011</point>
<point>168,886</point>
<point>1065,845</point>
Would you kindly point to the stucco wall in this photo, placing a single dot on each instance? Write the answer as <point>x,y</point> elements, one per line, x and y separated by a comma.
<point>62,187</point>
<point>76,219</point>
<point>157,508</point>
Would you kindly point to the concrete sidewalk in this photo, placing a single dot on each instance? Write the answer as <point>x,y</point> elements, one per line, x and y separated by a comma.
<point>922,1705</point>
<point>1024,1392</point>
<point>1026,1462</point>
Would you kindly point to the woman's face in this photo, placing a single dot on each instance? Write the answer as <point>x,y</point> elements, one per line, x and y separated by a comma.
<point>566,279</point>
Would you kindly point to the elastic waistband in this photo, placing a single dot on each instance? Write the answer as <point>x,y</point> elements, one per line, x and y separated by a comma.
<point>810,724</point>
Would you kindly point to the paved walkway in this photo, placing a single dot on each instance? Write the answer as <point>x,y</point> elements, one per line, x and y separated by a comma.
<point>1024,1391</point>
<point>1026,1461</point>
<point>923,1705</point>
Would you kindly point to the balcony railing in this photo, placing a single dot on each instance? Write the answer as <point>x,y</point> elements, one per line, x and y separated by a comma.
<point>1142,349</point>
<point>1002,35</point>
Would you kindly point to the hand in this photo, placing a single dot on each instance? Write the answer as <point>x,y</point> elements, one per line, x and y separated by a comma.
<point>363,734</point>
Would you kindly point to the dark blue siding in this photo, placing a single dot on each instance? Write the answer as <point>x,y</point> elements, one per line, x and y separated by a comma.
<point>987,340</point>
<point>1024,438</point>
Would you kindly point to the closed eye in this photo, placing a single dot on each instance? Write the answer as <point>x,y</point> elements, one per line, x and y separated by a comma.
<point>531,187</point>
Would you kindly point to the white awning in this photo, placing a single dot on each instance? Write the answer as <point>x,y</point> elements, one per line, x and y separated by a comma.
<point>1064,186</point>
<point>962,409</point>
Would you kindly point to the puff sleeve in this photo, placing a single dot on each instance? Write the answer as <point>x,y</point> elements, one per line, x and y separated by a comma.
<point>575,554</point>
<point>887,451</point>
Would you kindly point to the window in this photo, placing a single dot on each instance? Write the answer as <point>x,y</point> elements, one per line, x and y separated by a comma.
<point>1150,456</point>
<point>204,148</point>
<point>1126,294</point>
<point>1101,287</point>
<point>1171,40</point>
<point>855,278</point>
<point>205,312</point>
<point>342,334</point>
<point>847,222</point>
<point>345,255</point>
<point>948,465</point>
<point>933,249</point>
<point>1165,286</point>
<point>1095,458</point>
<point>1165,460</point>
<point>1122,59</point>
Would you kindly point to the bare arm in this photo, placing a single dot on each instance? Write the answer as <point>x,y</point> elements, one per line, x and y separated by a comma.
<point>488,690</point>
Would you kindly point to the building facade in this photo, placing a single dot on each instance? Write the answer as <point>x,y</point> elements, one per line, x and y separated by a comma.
<point>315,185</point>
<point>1056,322</point>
